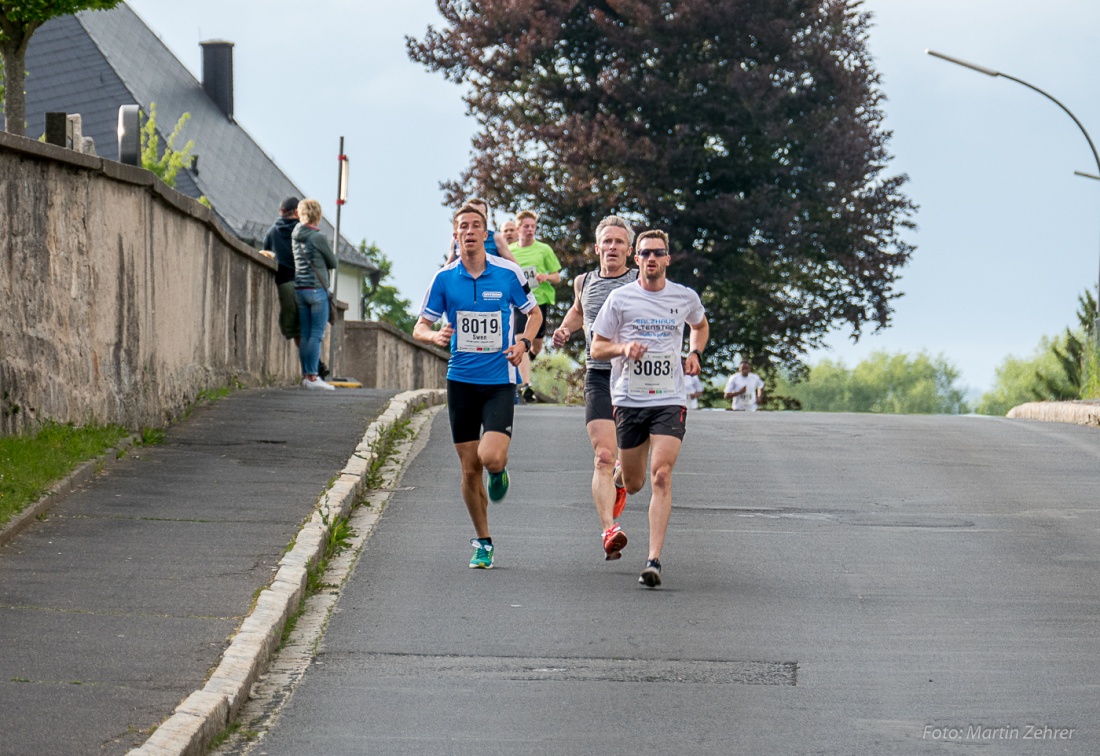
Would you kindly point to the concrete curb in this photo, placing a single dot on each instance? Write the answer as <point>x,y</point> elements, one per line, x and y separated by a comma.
<point>1078,413</point>
<point>74,480</point>
<point>206,714</point>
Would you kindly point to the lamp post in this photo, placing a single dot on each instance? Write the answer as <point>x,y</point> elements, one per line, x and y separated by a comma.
<point>1095,155</point>
<point>341,200</point>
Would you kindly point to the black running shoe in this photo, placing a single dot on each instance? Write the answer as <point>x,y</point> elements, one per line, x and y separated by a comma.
<point>651,575</point>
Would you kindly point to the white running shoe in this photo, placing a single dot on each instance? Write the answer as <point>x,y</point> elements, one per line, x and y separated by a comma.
<point>317,383</point>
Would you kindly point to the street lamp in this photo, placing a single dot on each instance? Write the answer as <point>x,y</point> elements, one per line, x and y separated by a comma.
<point>1095,155</point>
<point>341,200</point>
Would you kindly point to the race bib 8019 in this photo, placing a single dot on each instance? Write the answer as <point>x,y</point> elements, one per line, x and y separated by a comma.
<point>479,331</point>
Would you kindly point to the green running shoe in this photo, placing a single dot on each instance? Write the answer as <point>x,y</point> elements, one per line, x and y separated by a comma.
<point>498,485</point>
<point>483,555</point>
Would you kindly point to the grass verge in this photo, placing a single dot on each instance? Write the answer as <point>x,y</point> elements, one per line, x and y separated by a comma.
<point>382,449</point>
<point>30,464</point>
<point>338,540</point>
<point>340,533</point>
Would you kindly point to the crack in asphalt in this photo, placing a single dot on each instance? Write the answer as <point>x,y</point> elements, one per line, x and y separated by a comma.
<point>119,613</point>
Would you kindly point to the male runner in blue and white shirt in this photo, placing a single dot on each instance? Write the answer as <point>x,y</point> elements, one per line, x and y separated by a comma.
<point>479,294</point>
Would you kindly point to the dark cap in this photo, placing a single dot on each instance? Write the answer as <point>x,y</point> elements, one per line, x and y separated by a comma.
<point>289,205</point>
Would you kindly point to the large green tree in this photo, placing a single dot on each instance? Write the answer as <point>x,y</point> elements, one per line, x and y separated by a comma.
<point>19,19</point>
<point>750,130</point>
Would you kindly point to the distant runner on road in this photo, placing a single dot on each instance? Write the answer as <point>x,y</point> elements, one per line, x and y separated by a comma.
<point>641,330</point>
<point>477,293</point>
<point>543,271</point>
<point>614,245</point>
<point>745,389</point>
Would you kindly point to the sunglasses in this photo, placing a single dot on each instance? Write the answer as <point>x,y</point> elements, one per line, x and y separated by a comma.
<point>658,253</point>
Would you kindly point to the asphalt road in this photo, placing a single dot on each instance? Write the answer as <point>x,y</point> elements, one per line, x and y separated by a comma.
<point>834,584</point>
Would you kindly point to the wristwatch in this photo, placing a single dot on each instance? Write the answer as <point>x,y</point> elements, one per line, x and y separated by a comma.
<point>698,353</point>
<point>527,343</point>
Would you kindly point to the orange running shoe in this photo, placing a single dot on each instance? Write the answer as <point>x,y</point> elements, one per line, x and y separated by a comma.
<point>614,540</point>
<point>620,493</point>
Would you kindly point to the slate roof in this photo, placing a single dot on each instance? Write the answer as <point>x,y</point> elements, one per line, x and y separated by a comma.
<point>96,61</point>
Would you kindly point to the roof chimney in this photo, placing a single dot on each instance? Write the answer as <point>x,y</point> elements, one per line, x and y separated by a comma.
<point>217,73</point>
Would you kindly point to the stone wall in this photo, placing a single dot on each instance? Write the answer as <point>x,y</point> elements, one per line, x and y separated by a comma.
<point>379,355</point>
<point>121,299</point>
<point>1085,412</point>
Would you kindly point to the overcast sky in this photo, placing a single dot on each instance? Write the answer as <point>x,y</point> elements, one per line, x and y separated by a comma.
<point>1008,235</point>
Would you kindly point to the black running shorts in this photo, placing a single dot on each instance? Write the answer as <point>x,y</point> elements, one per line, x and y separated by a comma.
<point>634,425</point>
<point>473,407</point>
<point>597,396</point>
<point>521,323</point>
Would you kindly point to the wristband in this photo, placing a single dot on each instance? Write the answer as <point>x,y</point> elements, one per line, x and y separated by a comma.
<point>526,343</point>
<point>698,353</point>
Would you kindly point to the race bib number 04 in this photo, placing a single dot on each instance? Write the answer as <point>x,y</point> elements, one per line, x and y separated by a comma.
<point>532,276</point>
<point>652,374</point>
<point>479,331</point>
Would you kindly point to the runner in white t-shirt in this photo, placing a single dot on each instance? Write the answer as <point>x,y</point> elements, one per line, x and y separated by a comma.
<point>640,328</point>
<point>745,388</point>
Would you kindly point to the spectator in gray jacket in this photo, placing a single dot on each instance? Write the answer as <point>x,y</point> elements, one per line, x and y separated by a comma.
<point>313,259</point>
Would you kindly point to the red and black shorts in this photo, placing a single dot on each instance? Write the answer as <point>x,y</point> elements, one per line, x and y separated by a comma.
<point>634,425</point>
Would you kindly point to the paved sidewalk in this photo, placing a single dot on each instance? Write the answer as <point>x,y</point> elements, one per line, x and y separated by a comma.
<point>118,605</point>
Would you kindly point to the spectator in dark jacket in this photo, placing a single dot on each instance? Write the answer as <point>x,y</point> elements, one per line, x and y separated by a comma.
<point>277,245</point>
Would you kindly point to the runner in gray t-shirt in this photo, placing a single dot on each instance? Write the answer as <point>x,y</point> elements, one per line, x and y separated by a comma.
<point>640,329</point>
<point>614,238</point>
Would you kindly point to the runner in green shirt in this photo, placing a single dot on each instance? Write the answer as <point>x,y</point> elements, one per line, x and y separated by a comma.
<point>541,266</point>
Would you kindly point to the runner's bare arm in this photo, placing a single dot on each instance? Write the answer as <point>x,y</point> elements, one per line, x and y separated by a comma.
<point>604,348</point>
<point>422,331</point>
<point>574,319</point>
<point>515,352</point>
<point>697,342</point>
<point>502,248</point>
